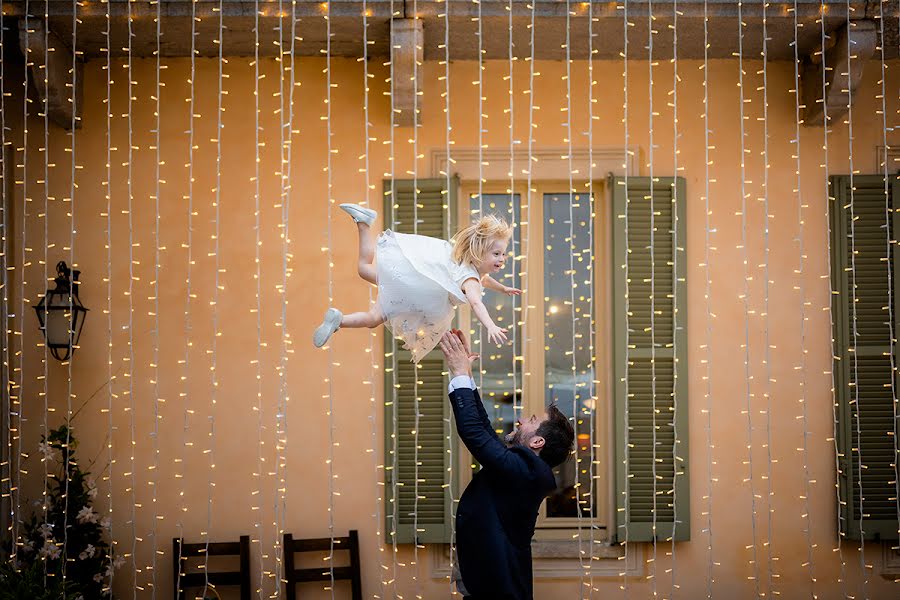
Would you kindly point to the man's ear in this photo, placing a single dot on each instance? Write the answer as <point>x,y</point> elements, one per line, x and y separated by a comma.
<point>536,443</point>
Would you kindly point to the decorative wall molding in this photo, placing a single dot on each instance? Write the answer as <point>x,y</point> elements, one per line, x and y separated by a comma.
<point>890,561</point>
<point>559,559</point>
<point>547,163</point>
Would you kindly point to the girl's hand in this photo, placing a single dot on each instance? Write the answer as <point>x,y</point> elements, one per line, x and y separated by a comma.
<point>497,335</point>
<point>510,291</point>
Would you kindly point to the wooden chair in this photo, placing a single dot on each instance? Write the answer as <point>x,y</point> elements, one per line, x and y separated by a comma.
<point>218,578</point>
<point>350,572</point>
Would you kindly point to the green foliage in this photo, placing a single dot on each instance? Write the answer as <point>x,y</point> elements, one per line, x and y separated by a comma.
<point>30,583</point>
<point>64,530</point>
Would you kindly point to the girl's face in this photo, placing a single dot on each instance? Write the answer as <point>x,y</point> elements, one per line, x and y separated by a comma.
<point>495,257</point>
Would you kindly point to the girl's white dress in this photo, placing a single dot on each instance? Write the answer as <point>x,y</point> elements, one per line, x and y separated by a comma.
<point>419,286</point>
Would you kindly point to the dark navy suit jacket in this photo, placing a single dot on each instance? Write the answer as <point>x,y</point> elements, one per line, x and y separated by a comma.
<point>497,512</point>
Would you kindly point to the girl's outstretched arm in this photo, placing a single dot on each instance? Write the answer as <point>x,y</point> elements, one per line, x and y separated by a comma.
<point>472,290</point>
<point>492,284</point>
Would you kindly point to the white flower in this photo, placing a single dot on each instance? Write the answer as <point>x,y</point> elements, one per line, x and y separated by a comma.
<point>92,487</point>
<point>98,577</point>
<point>87,515</point>
<point>105,523</point>
<point>118,562</point>
<point>50,550</point>
<point>28,546</point>
<point>46,530</point>
<point>87,552</point>
<point>46,450</point>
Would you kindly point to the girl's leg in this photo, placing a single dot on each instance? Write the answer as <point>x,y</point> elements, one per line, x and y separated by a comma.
<point>366,265</point>
<point>370,319</point>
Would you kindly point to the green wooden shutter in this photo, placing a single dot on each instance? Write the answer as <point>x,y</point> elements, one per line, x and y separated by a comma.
<point>434,510</point>
<point>635,420</point>
<point>862,368</point>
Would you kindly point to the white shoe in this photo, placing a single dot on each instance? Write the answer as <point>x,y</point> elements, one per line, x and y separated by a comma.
<point>330,324</point>
<point>360,214</point>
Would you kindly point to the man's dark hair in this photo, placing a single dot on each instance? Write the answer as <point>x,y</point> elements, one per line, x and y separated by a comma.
<point>558,437</point>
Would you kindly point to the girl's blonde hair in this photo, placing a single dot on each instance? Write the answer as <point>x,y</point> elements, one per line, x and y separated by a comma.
<point>471,243</point>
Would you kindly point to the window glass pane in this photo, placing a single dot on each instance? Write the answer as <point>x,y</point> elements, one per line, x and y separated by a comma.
<point>500,376</point>
<point>568,259</point>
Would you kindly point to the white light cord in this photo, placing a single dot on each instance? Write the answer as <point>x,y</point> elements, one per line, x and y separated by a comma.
<point>130,370</point>
<point>395,384</point>
<point>377,466</point>
<point>156,337</point>
<point>416,400</point>
<point>801,288</point>
<point>572,284</point>
<point>676,459</point>
<point>592,390</point>
<point>214,346</point>
<point>770,494</point>
<point>710,562</point>
<point>745,297</point>
<point>44,379</point>
<point>72,291</point>
<point>653,577</point>
<point>256,362</point>
<point>11,479</point>
<point>451,445</point>
<point>841,526</point>
<point>626,343</point>
<point>330,202</point>
<point>854,331</point>
<point>109,342</point>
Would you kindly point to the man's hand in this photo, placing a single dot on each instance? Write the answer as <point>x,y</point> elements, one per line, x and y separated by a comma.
<point>456,352</point>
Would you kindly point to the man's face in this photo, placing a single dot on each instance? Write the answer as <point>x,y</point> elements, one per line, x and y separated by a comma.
<point>526,430</point>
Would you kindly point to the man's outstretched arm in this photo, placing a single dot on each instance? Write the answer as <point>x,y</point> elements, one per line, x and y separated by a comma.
<point>472,424</point>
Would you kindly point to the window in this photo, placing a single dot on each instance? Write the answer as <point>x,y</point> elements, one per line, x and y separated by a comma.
<point>610,350</point>
<point>549,356</point>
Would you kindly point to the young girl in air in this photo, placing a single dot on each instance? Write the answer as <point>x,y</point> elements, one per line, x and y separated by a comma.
<point>422,279</point>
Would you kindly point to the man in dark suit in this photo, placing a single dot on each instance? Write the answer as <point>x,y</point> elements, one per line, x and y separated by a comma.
<point>497,512</point>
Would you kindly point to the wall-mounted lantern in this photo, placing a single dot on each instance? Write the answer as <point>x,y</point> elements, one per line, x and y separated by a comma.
<point>61,313</point>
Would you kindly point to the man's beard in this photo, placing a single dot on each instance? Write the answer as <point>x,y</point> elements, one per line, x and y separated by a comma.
<point>514,437</point>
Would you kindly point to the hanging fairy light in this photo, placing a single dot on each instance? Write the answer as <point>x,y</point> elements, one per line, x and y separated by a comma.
<point>572,285</point>
<point>650,164</point>
<point>71,248</point>
<point>592,392</point>
<point>392,354</point>
<point>708,230</point>
<point>745,300</point>
<point>767,358</point>
<point>217,287</point>
<point>854,331</point>
<point>801,275</point>
<point>452,449</point>
<point>154,365</point>
<point>9,490</point>
<point>675,314</point>
<point>377,467</point>
<point>626,505</point>
<point>110,395</point>
<point>826,120</point>
<point>330,378</point>
<point>131,279</point>
<point>416,399</point>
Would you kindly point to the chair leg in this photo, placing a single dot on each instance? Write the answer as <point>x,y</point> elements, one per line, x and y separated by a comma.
<point>176,568</point>
<point>245,567</point>
<point>355,576</point>
<point>288,550</point>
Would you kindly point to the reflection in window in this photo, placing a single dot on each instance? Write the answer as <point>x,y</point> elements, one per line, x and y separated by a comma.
<point>500,375</point>
<point>568,370</point>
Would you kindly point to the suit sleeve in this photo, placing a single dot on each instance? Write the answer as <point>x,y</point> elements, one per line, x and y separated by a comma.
<point>476,433</point>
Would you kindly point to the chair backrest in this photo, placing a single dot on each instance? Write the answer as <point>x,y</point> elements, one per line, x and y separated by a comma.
<point>182,552</point>
<point>350,572</point>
